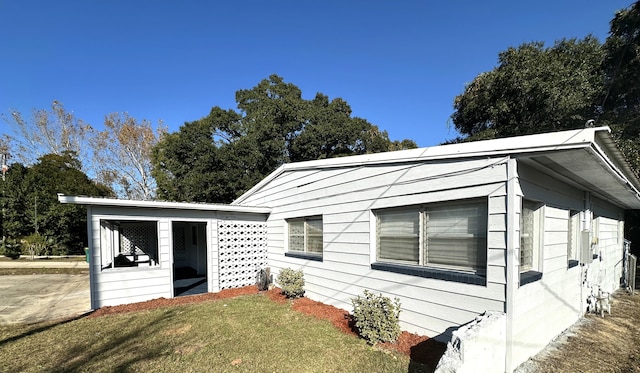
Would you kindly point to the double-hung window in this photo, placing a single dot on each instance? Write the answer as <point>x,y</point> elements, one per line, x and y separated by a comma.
<point>447,236</point>
<point>305,236</point>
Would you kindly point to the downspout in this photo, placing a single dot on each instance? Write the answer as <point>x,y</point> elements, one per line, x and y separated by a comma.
<point>512,256</point>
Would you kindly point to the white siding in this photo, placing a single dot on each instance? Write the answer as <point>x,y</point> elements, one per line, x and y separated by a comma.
<point>127,285</point>
<point>345,198</point>
<point>610,245</point>
<point>544,308</point>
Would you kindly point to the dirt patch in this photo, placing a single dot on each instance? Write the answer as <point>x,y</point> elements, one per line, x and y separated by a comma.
<point>596,344</point>
<point>420,349</point>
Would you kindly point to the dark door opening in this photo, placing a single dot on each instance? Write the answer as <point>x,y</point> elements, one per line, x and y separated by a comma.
<point>189,258</point>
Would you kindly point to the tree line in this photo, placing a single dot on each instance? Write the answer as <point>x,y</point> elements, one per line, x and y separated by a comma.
<point>534,88</point>
<point>213,159</point>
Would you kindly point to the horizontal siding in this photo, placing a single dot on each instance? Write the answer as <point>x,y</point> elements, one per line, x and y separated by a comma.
<point>346,197</point>
<point>544,308</point>
<point>126,285</point>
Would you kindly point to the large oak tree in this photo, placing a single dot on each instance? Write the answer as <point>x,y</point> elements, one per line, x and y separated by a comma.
<point>217,158</point>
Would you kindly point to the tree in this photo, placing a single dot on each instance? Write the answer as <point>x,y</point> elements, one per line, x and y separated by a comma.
<point>536,89</point>
<point>47,132</point>
<point>122,155</point>
<point>533,89</point>
<point>220,156</point>
<point>32,205</point>
<point>187,164</point>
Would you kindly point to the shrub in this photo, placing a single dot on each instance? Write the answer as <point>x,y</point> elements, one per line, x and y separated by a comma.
<point>36,244</point>
<point>377,318</point>
<point>12,249</point>
<point>291,282</point>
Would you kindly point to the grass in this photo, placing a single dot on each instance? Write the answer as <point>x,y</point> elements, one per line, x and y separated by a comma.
<point>43,271</point>
<point>245,334</point>
<point>71,258</point>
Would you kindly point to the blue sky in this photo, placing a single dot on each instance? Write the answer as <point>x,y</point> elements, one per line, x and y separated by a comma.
<point>399,64</point>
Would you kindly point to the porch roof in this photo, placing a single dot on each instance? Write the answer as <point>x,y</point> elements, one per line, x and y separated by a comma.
<point>114,202</point>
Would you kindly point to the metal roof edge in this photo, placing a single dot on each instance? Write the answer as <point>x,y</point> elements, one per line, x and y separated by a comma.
<point>562,140</point>
<point>115,202</point>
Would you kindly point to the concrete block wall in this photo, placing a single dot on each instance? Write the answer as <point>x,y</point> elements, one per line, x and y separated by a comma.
<point>479,346</point>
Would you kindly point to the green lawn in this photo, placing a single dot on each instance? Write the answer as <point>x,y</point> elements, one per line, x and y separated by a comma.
<point>27,258</point>
<point>245,334</point>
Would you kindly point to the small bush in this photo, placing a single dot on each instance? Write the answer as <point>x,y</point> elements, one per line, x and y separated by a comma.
<point>36,244</point>
<point>377,318</point>
<point>291,282</point>
<point>12,249</point>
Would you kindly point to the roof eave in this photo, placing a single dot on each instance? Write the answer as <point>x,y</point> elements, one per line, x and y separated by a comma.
<point>113,202</point>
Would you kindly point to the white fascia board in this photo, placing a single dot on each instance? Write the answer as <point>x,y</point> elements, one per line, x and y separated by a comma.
<point>113,202</point>
<point>545,142</point>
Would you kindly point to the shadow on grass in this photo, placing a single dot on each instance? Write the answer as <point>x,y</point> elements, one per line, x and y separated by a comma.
<point>49,325</point>
<point>118,354</point>
<point>114,350</point>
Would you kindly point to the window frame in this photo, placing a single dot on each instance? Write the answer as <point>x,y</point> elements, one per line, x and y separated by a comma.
<point>574,238</point>
<point>307,235</point>
<point>112,256</point>
<point>531,272</point>
<point>474,273</point>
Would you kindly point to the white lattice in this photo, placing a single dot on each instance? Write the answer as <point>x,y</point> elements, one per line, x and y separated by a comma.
<point>137,239</point>
<point>242,252</point>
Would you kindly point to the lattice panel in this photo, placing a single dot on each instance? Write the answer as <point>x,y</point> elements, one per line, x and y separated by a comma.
<point>242,252</point>
<point>137,239</point>
<point>178,238</point>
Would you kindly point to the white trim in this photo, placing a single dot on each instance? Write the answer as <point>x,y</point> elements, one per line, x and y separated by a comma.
<point>113,202</point>
<point>521,145</point>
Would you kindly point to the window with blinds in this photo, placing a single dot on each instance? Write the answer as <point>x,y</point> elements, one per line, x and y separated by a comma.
<point>305,235</point>
<point>448,235</point>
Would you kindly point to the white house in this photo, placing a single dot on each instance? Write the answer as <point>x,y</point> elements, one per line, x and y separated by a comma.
<point>524,226</point>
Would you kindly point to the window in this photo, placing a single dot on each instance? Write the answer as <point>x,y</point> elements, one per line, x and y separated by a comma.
<point>128,244</point>
<point>530,241</point>
<point>305,236</point>
<point>448,236</point>
<point>574,238</point>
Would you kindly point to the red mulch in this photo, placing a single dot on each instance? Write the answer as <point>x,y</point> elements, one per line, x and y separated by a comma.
<point>164,302</point>
<point>420,349</point>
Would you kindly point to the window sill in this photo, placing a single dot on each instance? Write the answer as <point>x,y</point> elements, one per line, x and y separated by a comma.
<point>438,274</point>
<point>314,257</point>
<point>529,277</point>
<point>572,263</point>
<point>131,268</point>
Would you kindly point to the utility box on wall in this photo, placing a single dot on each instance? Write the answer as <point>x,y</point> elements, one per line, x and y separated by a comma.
<point>586,256</point>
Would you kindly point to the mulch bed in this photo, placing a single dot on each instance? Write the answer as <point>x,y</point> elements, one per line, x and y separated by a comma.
<point>420,349</point>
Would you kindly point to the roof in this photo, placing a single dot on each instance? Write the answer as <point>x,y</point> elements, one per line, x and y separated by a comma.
<point>113,202</point>
<point>586,158</point>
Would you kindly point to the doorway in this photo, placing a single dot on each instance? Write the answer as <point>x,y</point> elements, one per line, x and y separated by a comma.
<point>189,258</point>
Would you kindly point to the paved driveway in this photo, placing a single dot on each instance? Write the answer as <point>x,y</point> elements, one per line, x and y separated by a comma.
<point>34,298</point>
